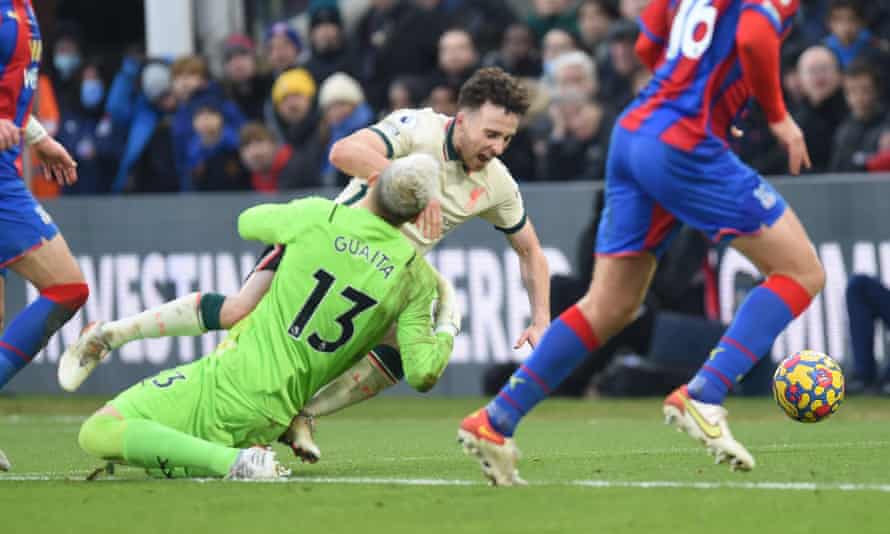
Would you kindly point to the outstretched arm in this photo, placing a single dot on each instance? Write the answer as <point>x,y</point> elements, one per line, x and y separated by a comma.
<point>536,278</point>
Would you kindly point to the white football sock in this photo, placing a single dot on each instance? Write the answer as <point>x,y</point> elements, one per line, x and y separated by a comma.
<point>180,317</point>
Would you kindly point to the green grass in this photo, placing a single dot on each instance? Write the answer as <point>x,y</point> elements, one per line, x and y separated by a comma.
<point>398,439</point>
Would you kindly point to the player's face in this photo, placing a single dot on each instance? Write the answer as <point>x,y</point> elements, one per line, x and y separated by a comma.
<point>483,134</point>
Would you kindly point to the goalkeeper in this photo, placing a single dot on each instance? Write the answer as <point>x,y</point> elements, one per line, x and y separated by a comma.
<point>348,277</point>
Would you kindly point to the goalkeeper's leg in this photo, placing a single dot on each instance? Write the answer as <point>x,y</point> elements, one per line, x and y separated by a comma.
<point>378,370</point>
<point>153,446</point>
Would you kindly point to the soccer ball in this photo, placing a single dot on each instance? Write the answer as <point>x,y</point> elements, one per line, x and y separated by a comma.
<point>809,386</point>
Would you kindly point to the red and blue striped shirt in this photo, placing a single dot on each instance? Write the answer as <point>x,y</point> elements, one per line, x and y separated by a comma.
<point>708,57</point>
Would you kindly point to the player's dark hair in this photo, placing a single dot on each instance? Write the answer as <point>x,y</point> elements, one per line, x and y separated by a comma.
<point>853,5</point>
<point>495,86</point>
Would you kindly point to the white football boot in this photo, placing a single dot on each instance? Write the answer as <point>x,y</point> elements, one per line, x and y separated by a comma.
<point>497,453</point>
<point>257,463</point>
<point>706,423</point>
<point>79,360</point>
<point>4,462</point>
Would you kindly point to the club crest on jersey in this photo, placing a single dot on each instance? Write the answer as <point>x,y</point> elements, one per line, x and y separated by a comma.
<point>356,248</point>
<point>766,196</point>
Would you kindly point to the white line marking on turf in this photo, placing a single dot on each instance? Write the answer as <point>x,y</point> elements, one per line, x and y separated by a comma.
<point>599,484</point>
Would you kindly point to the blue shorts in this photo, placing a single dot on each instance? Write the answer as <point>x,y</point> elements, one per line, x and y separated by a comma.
<point>24,224</point>
<point>652,187</point>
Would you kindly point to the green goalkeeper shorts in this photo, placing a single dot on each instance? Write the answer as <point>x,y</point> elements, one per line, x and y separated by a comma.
<point>189,399</point>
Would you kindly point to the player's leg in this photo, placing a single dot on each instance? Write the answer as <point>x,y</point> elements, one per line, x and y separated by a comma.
<point>739,203</point>
<point>633,231</point>
<point>190,315</point>
<point>53,271</point>
<point>144,443</point>
<point>159,424</point>
<point>378,370</point>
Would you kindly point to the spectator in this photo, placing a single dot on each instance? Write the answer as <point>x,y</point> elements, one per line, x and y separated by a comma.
<point>550,15</point>
<point>555,43</point>
<point>329,43</point>
<point>395,38</point>
<point>458,59</point>
<point>141,101</point>
<point>293,118</point>
<point>823,108</point>
<point>404,92</point>
<point>67,62</point>
<point>213,158</point>
<point>575,73</point>
<point>242,81</point>
<point>344,111</point>
<point>880,162</point>
<point>443,99</point>
<point>617,75</point>
<point>272,164</point>
<point>283,47</point>
<point>518,54</point>
<point>579,139</point>
<point>867,299</point>
<point>89,136</point>
<point>594,19</point>
<point>485,20</point>
<point>857,137</point>
<point>630,10</point>
<point>193,88</point>
<point>849,38</point>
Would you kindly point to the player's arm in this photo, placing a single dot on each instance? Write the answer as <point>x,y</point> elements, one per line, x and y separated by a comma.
<point>57,162</point>
<point>270,223</point>
<point>759,39</point>
<point>654,33</point>
<point>536,278</point>
<point>509,216</point>
<point>426,329</point>
<point>360,154</point>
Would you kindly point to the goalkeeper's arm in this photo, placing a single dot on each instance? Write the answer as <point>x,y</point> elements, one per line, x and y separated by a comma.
<point>427,328</point>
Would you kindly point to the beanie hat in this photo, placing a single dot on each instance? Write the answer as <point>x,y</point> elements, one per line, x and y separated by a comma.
<point>293,81</point>
<point>155,80</point>
<point>340,87</point>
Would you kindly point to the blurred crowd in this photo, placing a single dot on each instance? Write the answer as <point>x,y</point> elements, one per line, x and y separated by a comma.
<point>266,121</point>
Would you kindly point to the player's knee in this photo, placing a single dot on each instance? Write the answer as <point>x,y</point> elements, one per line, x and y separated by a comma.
<point>608,315</point>
<point>87,437</point>
<point>812,278</point>
<point>70,296</point>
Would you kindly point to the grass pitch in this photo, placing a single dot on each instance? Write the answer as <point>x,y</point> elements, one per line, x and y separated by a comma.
<point>392,466</point>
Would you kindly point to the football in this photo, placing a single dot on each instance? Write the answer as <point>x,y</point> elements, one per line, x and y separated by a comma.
<point>809,386</point>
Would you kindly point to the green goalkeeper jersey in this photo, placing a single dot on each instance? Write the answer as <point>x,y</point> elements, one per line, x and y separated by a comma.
<point>345,277</point>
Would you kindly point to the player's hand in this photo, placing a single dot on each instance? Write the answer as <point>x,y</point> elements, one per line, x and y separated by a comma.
<point>531,335</point>
<point>447,315</point>
<point>430,220</point>
<point>791,137</point>
<point>10,134</point>
<point>57,163</point>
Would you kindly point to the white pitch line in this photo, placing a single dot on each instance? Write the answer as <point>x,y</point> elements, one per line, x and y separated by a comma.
<point>598,484</point>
